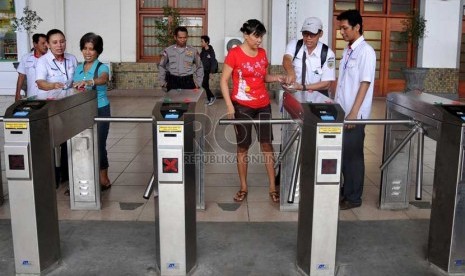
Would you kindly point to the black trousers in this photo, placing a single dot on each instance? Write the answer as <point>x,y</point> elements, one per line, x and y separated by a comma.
<point>206,84</point>
<point>353,163</point>
<point>177,82</point>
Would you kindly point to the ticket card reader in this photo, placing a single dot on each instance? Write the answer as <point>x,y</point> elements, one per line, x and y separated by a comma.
<point>320,174</point>
<point>33,128</point>
<point>175,171</point>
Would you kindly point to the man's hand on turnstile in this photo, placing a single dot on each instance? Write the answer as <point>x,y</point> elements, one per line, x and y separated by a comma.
<point>350,116</point>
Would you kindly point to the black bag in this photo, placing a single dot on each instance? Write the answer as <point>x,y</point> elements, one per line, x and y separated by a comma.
<point>214,66</point>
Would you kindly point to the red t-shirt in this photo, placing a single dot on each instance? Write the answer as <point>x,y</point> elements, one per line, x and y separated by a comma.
<point>248,77</point>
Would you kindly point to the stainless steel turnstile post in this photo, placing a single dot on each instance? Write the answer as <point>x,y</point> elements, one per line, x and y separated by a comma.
<point>177,140</point>
<point>84,178</point>
<point>33,128</point>
<point>320,176</point>
<point>442,120</point>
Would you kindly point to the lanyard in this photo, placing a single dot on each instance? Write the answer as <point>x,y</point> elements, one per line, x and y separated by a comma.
<point>66,69</point>
<point>348,58</point>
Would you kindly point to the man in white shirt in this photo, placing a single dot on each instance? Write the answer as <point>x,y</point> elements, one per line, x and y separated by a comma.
<point>27,67</point>
<point>310,64</point>
<point>355,94</point>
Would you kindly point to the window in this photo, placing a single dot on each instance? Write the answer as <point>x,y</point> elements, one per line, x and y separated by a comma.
<point>376,6</point>
<point>192,13</point>
<point>8,49</point>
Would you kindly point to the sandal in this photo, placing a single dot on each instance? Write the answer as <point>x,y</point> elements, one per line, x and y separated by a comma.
<point>240,196</point>
<point>274,195</point>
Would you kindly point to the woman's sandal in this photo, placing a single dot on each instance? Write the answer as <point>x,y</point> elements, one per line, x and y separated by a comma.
<point>240,196</point>
<point>274,195</point>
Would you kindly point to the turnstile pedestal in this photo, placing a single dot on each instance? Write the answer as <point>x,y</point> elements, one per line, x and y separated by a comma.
<point>84,185</point>
<point>176,173</point>
<point>33,128</point>
<point>321,153</point>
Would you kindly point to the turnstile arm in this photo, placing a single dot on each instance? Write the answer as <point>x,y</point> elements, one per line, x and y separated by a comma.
<point>286,148</point>
<point>399,147</point>
<point>295,173</point>
<point>419,178</point>
<point>124,119</point>
<point>242,122</point>
<point>149,189</point>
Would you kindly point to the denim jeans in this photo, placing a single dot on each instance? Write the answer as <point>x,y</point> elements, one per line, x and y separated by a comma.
<point>102,132</point>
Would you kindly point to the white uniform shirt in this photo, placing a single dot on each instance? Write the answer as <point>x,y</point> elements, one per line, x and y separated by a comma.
<point>357,65</point>
<point>314,72</point>
<point>51,70</point>
<point>27,67</point>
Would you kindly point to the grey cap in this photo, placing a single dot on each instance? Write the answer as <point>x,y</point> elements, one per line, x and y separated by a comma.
<point>312,24</point>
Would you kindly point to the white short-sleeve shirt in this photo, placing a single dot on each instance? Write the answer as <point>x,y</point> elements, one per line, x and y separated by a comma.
<point>314,72</point>
<point>358,64</point>
<point>27,67</point>
<point>52,70</point>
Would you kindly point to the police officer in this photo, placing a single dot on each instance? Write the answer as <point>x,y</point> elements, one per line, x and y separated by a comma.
<point>180,65</point>
<point>310,64</point>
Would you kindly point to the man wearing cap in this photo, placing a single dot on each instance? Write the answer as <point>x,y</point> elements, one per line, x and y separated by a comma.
<point>310,64</point>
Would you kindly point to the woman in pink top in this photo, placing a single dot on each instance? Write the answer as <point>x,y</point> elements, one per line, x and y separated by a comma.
<point>247,65</point>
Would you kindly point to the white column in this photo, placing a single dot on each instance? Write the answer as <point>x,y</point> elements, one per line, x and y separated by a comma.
<point>441,46</point>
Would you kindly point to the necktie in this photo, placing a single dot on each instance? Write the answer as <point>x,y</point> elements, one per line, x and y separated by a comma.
<point>304,68</point>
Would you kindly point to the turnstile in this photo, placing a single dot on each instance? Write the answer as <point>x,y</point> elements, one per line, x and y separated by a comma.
<point>443,121</point>
<point>290,165</point>
<point>84,178</point>
<point>320,152</point>
<point>33,127</point>
<point>178,128</point>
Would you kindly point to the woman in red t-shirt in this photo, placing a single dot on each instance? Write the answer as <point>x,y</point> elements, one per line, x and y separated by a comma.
<point>247,64</point>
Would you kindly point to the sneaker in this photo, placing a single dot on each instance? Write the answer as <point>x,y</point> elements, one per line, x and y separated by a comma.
<point>212,100</point>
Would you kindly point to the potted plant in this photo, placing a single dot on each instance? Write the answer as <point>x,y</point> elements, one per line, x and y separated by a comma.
<point>26,23</point>
<point>164,27</point>
<point>414,29</point>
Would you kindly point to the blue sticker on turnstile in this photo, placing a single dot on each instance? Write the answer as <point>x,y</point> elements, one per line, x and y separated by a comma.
<point>322,267</point>
<point>20,113</point>
<point>327,117</point>
<point>459,262</point>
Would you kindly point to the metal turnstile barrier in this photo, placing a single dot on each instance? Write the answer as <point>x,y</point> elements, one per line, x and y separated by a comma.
<point>289,159</point>
<point>178,133</point>
<point>33,128</point>
<point>320,154</point>
<point>320,130</point>
<point>442,120</point>
<point>83,164</point>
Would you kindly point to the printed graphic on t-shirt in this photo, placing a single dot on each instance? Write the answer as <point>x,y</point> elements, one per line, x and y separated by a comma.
<point>243,89</point>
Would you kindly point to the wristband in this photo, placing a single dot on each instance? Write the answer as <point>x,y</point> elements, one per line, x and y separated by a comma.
<point>93,82</point>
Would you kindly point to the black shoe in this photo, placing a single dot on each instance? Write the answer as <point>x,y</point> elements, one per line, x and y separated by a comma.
<point>346,205</point>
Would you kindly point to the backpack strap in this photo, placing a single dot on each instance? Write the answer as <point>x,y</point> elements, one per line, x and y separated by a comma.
<point>94,87</point>
<point>324,54</point>
<point>300,42</point>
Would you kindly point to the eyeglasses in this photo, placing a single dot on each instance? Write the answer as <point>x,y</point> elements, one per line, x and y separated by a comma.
<point>309,34</point>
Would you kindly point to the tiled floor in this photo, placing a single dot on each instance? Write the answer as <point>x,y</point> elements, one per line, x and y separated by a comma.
<point>130,154</point>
